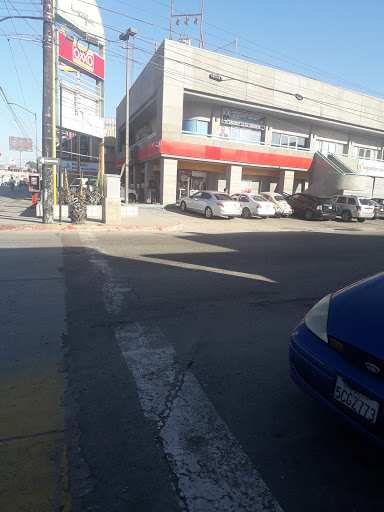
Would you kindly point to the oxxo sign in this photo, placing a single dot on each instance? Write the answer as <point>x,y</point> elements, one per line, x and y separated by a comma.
<point>83,58</point>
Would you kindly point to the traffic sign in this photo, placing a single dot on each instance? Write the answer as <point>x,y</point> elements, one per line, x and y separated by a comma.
<point>49,160</point>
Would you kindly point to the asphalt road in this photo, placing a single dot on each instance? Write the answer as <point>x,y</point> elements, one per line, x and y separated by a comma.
<point>180,395</point>
<point>168,354</point>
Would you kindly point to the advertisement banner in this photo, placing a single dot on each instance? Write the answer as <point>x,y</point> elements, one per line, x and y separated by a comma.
<point>371,168</point>
<point>83,17</point>
<point>12,162</point>
<point>246,187</point>
<point>20,144</point>
<point>81,58</point>
<point>243,118</point>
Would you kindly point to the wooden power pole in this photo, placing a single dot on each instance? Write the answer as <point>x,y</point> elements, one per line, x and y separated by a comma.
<point>48,111</point>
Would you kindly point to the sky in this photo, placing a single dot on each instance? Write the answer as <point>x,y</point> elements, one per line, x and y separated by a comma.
<point>338,42</point>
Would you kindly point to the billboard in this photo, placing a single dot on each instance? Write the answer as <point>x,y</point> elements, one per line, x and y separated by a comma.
<point>20,144</point>
<point>83,17</point>
<point>82,111</point>
<point>81,58</point>
<point>371,168</point>
<point>243,118</point>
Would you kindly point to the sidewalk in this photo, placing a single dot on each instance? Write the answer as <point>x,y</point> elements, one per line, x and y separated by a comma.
<point>15,214</point>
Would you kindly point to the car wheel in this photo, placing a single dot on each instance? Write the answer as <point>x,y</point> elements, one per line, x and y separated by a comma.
<point>246,213</point>
<point>361,220</point>
<point>346,216</point>
<point>183,206</point>
<point>131,198</point>
<point>208,212</point>
<point>308,214</point>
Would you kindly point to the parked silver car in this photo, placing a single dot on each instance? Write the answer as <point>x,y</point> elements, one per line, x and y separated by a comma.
<point>211,203</point>
<point>255,205</point>
<point>354,207</point>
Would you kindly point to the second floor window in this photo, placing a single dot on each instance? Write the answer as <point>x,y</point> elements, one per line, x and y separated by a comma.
<point>196,126</point>
<point>289,141</point>
<point>326,147</point>
<point>365,152</point>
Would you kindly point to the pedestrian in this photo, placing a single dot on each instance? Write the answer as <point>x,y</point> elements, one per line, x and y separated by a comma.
<point>152,190</point>
<point>226,191</point>
<point>12,183</point>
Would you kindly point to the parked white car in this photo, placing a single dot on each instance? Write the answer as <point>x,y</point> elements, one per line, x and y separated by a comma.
<point>255,205</point>
<point>283,209</point>
<point>212,203</point>
<point>76,183</point>
<point>132,196</point>
<point>354,207</point>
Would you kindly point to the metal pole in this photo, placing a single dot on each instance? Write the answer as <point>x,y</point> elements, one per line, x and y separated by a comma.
<point>61,154</point>
<point>201,44</point>
<point>48,106</point>
<point>127,129</point>
<point>37,161</point>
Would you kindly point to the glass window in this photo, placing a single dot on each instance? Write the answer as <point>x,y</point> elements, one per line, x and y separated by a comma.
<point>351,200</point>
<point>275,138</point>
<point>291,141</point>
<point>202,127</point>
<point>365,202</point>
<point>325,200</point>
<point>260,199</point>
<point>189,126</point>
<point>342,200</point>
<point>244,198</point>
<point>279,198</point>
<point>223,197</point>
<point>325,147</point>
<point>205,195</point>
<point>197,195</point>
<point>301,142</point>
<point>284,140</point>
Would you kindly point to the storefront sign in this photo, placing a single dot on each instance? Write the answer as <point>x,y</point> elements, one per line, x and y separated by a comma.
<point>246,187</point>
<point>71,166</point>
<point>371,168</point>
<point>243,118</point>
<point>81,57</point>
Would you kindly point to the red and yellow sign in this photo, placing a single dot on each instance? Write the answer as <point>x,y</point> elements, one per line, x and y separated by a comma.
<point>81,58</point>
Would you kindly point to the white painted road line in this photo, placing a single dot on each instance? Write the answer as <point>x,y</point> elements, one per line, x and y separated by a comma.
<point>213,472</point>
<point>191,266</point>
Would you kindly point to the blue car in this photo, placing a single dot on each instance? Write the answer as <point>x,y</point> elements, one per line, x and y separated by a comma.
<point>337,355</point>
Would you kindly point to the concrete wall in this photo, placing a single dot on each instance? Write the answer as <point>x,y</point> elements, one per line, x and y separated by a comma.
<point>336,183</point>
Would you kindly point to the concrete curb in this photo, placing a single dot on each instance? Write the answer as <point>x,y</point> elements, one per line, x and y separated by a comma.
<point>86,227</point>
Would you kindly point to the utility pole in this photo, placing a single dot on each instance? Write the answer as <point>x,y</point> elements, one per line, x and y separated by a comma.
<point>131,32</point>
<point>48,106</point>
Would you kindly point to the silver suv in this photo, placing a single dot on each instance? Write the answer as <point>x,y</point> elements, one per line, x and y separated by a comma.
<point>354,207</point>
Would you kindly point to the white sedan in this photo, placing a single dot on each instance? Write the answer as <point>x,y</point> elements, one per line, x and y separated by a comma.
<point>255,205</point>
<point>211,203</point>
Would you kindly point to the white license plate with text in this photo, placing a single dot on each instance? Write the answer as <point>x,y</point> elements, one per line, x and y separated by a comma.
<point>359,403</point>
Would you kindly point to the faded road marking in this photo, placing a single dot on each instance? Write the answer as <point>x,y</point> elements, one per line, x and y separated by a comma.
<point>213,472</point>
<point>191,266</point>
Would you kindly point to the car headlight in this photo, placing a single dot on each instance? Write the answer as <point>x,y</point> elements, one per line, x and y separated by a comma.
<point>317,318</point>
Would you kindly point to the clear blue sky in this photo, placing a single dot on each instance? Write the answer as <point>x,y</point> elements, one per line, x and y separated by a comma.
<point>323,40</point>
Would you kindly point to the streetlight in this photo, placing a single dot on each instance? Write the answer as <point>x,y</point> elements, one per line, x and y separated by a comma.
<point>131,32</point>
<point>37,163</point>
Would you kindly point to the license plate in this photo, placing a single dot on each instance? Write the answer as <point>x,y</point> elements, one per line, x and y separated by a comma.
<point>359,403</point>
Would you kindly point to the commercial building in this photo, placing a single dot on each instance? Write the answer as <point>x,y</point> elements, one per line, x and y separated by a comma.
<point>199,119</point>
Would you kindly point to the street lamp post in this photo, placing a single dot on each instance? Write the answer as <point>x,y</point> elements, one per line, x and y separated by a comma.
<point>131,32</point>
<point>37,163</point>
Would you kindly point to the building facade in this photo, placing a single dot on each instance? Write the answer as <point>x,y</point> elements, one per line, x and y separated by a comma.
<point>201,120</point>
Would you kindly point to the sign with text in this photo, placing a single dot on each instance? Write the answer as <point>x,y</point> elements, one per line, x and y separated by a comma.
<point>20,144</point>
<point>243,118</point>
<point>81,58</point>
<point>372,168</point>
<point>71,166</point>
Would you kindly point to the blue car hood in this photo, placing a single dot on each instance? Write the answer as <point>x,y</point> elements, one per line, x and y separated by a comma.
<point>356,315</point>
